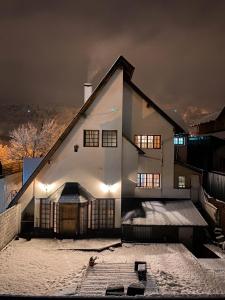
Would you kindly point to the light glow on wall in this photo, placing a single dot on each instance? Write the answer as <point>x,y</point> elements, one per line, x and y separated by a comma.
<point>46,188</point>
<point>109,188</point>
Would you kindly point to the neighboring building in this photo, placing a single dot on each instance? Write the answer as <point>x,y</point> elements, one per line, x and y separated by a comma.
<point>212,124</point>
<point>206,152</point>
<point>118,148</point>
<point>206,143</point>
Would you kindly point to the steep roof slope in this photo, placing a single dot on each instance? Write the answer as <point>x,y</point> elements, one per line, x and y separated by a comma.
<point>128,69</point>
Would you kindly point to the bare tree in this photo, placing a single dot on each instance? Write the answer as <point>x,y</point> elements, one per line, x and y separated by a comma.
<point>5,154</point>
<point>29,140</point>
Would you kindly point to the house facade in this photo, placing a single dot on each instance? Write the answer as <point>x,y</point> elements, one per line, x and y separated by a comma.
<point>119,147</point>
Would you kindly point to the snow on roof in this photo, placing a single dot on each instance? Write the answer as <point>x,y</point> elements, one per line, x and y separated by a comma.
<point>173,212</point>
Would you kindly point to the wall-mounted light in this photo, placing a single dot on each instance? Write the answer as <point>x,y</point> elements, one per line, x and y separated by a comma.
<point>109,188</point>
<point>76,147</point>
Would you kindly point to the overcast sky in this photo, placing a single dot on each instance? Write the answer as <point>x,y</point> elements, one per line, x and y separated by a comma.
<point>48,49</point>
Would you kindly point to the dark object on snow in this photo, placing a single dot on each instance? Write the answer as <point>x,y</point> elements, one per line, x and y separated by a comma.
<point>136,263</point>
<point>135,289</point>
<point>141,268</point>
<point>92,261</point>
<point>115,290</point>
<point>142,272</point>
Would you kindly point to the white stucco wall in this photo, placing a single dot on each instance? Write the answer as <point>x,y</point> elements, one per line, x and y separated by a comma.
<point>92,167</point>
<point>129,168</point>
<point>138,119</point>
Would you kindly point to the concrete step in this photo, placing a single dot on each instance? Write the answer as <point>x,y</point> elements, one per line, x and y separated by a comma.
<point>102,275</point>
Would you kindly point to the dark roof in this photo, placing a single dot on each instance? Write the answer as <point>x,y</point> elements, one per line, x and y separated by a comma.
<point>70,191</point>
<point>184,164</point>
<point>128,69</point>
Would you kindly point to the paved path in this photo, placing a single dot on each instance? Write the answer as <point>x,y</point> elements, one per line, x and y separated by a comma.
<point>101,275</point>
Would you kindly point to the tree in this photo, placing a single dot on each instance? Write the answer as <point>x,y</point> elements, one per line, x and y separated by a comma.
<point>29,140</point>
<point>5,155</point>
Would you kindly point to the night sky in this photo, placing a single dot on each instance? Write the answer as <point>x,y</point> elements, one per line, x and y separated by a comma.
<point>50,48</point>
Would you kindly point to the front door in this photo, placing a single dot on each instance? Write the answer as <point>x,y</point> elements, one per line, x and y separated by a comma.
<point>69,219</point>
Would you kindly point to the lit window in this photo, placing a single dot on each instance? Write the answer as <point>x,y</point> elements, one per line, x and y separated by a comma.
<point>181,182</point>
<point>148,180</point>
<point>179,140</point>
<point>109,138</point>
<point>148,141</point>
<point>91,138</point>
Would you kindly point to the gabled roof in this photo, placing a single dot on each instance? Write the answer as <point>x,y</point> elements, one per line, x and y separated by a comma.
<point>128,69</point>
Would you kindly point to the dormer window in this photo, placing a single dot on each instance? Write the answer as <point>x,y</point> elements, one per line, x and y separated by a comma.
<point>148,141</point>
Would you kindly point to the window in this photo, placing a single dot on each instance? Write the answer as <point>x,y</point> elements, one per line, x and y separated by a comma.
<point>102,213</point>
<point>179,140</point>
<point>148,180</point>
<point>181,182</point>
<point>109,138</point>
<point>148,141</point>
<point>91,138</point>
<point>45,214</point>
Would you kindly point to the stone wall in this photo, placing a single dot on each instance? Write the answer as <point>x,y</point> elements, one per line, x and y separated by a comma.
<point>9,225</point>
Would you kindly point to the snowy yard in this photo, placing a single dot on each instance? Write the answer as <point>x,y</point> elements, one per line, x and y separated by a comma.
<point>54,267</point>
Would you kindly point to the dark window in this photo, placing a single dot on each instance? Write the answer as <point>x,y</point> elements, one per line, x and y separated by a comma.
<point>148,141</point>
<point>109,138</point>
<point>91,138</point>
<point>148,180</point>
<point>102,214</point>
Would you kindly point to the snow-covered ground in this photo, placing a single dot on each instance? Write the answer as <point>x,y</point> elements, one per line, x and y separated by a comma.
<point>54,267</point>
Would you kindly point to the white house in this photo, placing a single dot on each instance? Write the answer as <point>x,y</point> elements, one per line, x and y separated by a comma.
<point>119,148</point>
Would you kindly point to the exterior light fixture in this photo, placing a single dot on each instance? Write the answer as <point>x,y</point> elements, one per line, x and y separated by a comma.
<point>76,148</point>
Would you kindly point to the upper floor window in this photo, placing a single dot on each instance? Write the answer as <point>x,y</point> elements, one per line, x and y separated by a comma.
<point>148,141</point>
<point>148,180</point>
<point>179,140</point>
<point>181,182</point>
<point>91,138</point>
<point>109,138</point>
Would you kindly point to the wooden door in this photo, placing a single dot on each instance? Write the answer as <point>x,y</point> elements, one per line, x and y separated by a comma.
<point>69,219</point>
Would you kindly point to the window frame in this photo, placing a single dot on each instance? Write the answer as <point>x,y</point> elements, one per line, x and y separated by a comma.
<point>148,138</point>
<point>110,130</point>
<point>152,182</point>
<point>84,138</point>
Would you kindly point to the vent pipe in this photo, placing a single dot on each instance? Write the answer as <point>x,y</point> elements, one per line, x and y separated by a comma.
<point>87,91</point>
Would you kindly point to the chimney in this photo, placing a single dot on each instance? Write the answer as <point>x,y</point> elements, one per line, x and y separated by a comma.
<point>87,91</point>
